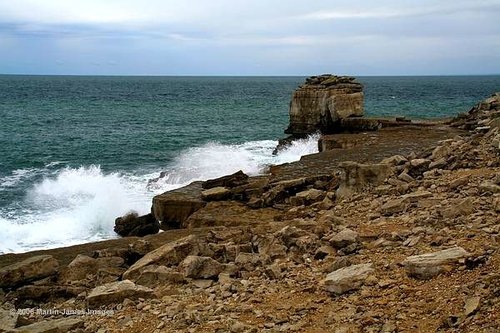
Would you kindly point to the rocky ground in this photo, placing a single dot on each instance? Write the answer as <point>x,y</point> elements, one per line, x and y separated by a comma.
<point>407,244</point>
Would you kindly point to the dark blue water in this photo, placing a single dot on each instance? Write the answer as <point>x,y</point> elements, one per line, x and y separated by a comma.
<point>75,152</point>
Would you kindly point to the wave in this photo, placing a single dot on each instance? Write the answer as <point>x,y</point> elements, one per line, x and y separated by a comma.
<point>76,205</point>
<point>214,160</point>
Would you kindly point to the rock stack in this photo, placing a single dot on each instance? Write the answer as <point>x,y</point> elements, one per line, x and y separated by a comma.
<point>322,102</point>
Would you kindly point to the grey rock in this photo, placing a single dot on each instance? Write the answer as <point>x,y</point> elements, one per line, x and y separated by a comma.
<point>197,267</point>
<point>347,278</point>
<point>344,238</point>
<point>116,292</point>
<point>428,265</point>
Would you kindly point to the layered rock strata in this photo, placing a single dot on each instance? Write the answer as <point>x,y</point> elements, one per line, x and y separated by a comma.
<point>322,102</point>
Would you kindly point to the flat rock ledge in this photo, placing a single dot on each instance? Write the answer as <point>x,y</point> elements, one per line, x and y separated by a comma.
<point>428,265</point>
<point>348,278</point>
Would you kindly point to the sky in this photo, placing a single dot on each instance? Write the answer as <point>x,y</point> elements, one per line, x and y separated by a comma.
<point>258,37</point>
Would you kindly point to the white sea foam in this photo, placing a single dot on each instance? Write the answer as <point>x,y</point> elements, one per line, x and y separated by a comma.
<point>75,206</point>
<point>16,177</point>
<point>71,206</point>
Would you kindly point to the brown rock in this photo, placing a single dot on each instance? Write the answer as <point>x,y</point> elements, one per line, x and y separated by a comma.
<point>169,254</point>
<point>344,238</point>
<point>321,107</point>
<point>461,208</point>
<point>356,176</point>
<point>394,206</point>
<point>197,267</point>
<point>61,325</point>
<point>31,269</point>
<point>307,197</point>
<point>236,179</point>
<point>174,207</point>
<point>152,276</point>
<point>116,292</point>
<point>216,194</point>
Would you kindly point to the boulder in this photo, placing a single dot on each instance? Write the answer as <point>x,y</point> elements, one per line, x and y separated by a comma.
<point>347,278</point>
<point>418,166</point>
<point>84,267</point>
<point>61,325</point>
<point>116,292</point>
<point>307,197</point>
<point>168,255</point>
<point>356,176</point>
<point>154,275</point>
<point>216,194</point>
<point>426,266</point>
<point>344,238</point>
<point>236,179</point>
<point>248,261</point>
<point>322,103</point>
<point>197,267</point>
<point>31,269</point>
<point>174,207</point>
<point>394,206</point>
<point>134,225</point>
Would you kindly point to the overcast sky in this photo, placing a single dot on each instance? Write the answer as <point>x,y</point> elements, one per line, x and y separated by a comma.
<point>258,37</point>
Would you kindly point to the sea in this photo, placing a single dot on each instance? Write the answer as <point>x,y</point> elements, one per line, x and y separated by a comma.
<point>78,151</point>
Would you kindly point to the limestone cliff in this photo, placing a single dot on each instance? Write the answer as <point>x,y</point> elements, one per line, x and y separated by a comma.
<point>322,102</point>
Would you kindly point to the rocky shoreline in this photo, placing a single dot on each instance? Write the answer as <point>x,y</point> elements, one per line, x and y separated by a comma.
<point>391,230</point>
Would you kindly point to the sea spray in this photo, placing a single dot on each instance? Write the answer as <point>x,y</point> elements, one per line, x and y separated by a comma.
<point>75,205</point>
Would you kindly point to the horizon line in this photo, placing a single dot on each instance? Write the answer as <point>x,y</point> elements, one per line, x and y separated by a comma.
<point>248,75</point>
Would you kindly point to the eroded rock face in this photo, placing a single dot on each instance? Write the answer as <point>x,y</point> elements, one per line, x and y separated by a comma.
<point>322,103</point>
<point>28,270</point>
<point>172,208</point>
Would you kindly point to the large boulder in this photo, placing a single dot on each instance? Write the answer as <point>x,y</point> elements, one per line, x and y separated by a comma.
<point>116,292</point>
<point>169,254</point>
<point>31,269</point>
<point>174,207</point>
<point>322,102</point>
<point>134,225</point>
